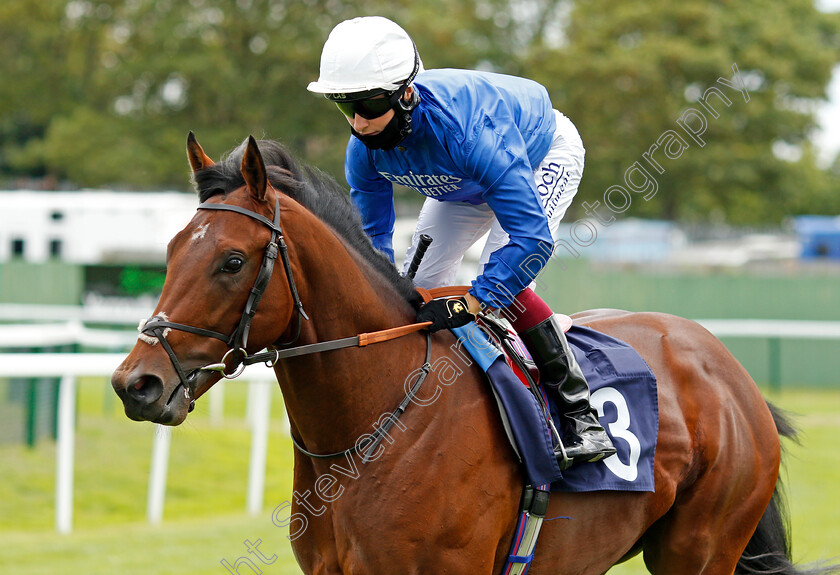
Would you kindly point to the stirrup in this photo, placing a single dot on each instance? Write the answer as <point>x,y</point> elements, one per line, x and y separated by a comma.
<point>563,460</point>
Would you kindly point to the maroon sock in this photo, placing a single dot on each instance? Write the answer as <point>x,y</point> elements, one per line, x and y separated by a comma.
<point>527,310</point>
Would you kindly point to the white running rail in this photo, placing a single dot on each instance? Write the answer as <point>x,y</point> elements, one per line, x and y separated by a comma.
<point>70,366</point>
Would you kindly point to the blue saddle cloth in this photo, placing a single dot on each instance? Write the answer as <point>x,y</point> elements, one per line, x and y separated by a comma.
<point>623,391</point>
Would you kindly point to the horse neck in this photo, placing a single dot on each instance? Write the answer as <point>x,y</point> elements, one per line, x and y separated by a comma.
<point>332,397</point>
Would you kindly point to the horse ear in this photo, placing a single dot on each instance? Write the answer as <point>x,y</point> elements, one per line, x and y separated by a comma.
<point>198,159</point>
<point>253,170</point>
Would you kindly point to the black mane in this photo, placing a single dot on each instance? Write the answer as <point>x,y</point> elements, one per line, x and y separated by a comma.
<point>316,191</point>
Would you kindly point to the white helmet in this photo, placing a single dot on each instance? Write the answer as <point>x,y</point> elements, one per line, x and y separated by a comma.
<point>363,54</point>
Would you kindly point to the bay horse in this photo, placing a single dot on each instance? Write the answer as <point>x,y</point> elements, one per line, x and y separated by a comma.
<point>442,494</point>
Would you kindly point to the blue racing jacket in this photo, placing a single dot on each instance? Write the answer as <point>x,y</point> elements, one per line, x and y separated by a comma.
<point>477,137</point>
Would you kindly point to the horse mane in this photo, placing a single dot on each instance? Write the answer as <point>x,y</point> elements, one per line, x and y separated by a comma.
<point>315,190</point>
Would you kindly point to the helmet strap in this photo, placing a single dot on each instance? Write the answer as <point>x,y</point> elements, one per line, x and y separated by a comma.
<point>397,96</point>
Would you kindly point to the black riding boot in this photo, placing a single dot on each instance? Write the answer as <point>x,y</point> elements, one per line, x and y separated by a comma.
<point>585,439</point>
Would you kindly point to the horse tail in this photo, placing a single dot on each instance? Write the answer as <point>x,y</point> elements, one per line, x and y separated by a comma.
<point>769,551</point>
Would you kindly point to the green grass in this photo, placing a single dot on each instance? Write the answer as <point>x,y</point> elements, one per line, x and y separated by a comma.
<point>177,547</point>
<point>811,474</point>
<point>204,519</point>
<point>208,467</point>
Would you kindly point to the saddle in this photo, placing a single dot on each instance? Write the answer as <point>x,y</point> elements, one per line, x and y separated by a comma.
<point>623,391</point>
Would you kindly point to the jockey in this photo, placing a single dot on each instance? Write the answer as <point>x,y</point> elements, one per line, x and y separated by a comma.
<point>490,154</point>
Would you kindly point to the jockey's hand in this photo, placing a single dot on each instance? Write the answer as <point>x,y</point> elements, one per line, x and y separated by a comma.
<point>445,313</point>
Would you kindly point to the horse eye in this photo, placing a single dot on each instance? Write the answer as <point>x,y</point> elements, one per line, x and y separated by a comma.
<point>233,264</point>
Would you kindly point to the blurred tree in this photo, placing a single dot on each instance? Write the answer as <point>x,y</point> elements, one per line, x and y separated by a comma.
<point>132,78</point>
<point>630,70</point>
<point>103,92</point>
<point>45,68</point>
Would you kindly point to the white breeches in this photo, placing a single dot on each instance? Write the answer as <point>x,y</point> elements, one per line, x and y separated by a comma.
<point>456,226</point>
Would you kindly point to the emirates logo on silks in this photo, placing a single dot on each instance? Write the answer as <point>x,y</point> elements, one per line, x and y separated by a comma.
<point>431,185</point>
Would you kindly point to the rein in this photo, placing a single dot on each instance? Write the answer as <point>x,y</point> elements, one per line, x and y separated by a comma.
<point>272,356</point>
<point>372,441</point>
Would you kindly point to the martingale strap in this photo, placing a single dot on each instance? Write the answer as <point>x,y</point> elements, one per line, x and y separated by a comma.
<point>369,446</point>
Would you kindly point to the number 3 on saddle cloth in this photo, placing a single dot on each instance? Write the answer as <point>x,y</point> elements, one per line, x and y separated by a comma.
<point>623,391</point>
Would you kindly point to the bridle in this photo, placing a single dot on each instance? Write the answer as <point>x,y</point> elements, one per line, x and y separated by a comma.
<point>156,326</point>
<point>237,341</point>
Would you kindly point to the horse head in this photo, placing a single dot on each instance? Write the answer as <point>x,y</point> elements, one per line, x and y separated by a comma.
<point>219,269</point>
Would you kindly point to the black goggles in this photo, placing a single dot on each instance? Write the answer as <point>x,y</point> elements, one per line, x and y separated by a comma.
<point>369,105</point>
<point>368,108</point>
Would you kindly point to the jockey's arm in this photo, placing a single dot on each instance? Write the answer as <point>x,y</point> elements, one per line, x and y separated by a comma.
<point>373,196</point>
<point>511,193</point>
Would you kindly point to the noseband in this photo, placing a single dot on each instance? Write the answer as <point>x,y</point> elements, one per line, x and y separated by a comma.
<point>238,340</point>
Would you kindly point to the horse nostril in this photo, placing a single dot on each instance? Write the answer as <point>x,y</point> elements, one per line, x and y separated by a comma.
<point>146,389</point>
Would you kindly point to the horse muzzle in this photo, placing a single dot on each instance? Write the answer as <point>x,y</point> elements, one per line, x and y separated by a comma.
<point>148,396</point>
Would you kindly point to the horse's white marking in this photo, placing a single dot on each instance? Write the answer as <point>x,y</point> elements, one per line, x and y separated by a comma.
<point>151,340</point>
<point>200,232</point>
